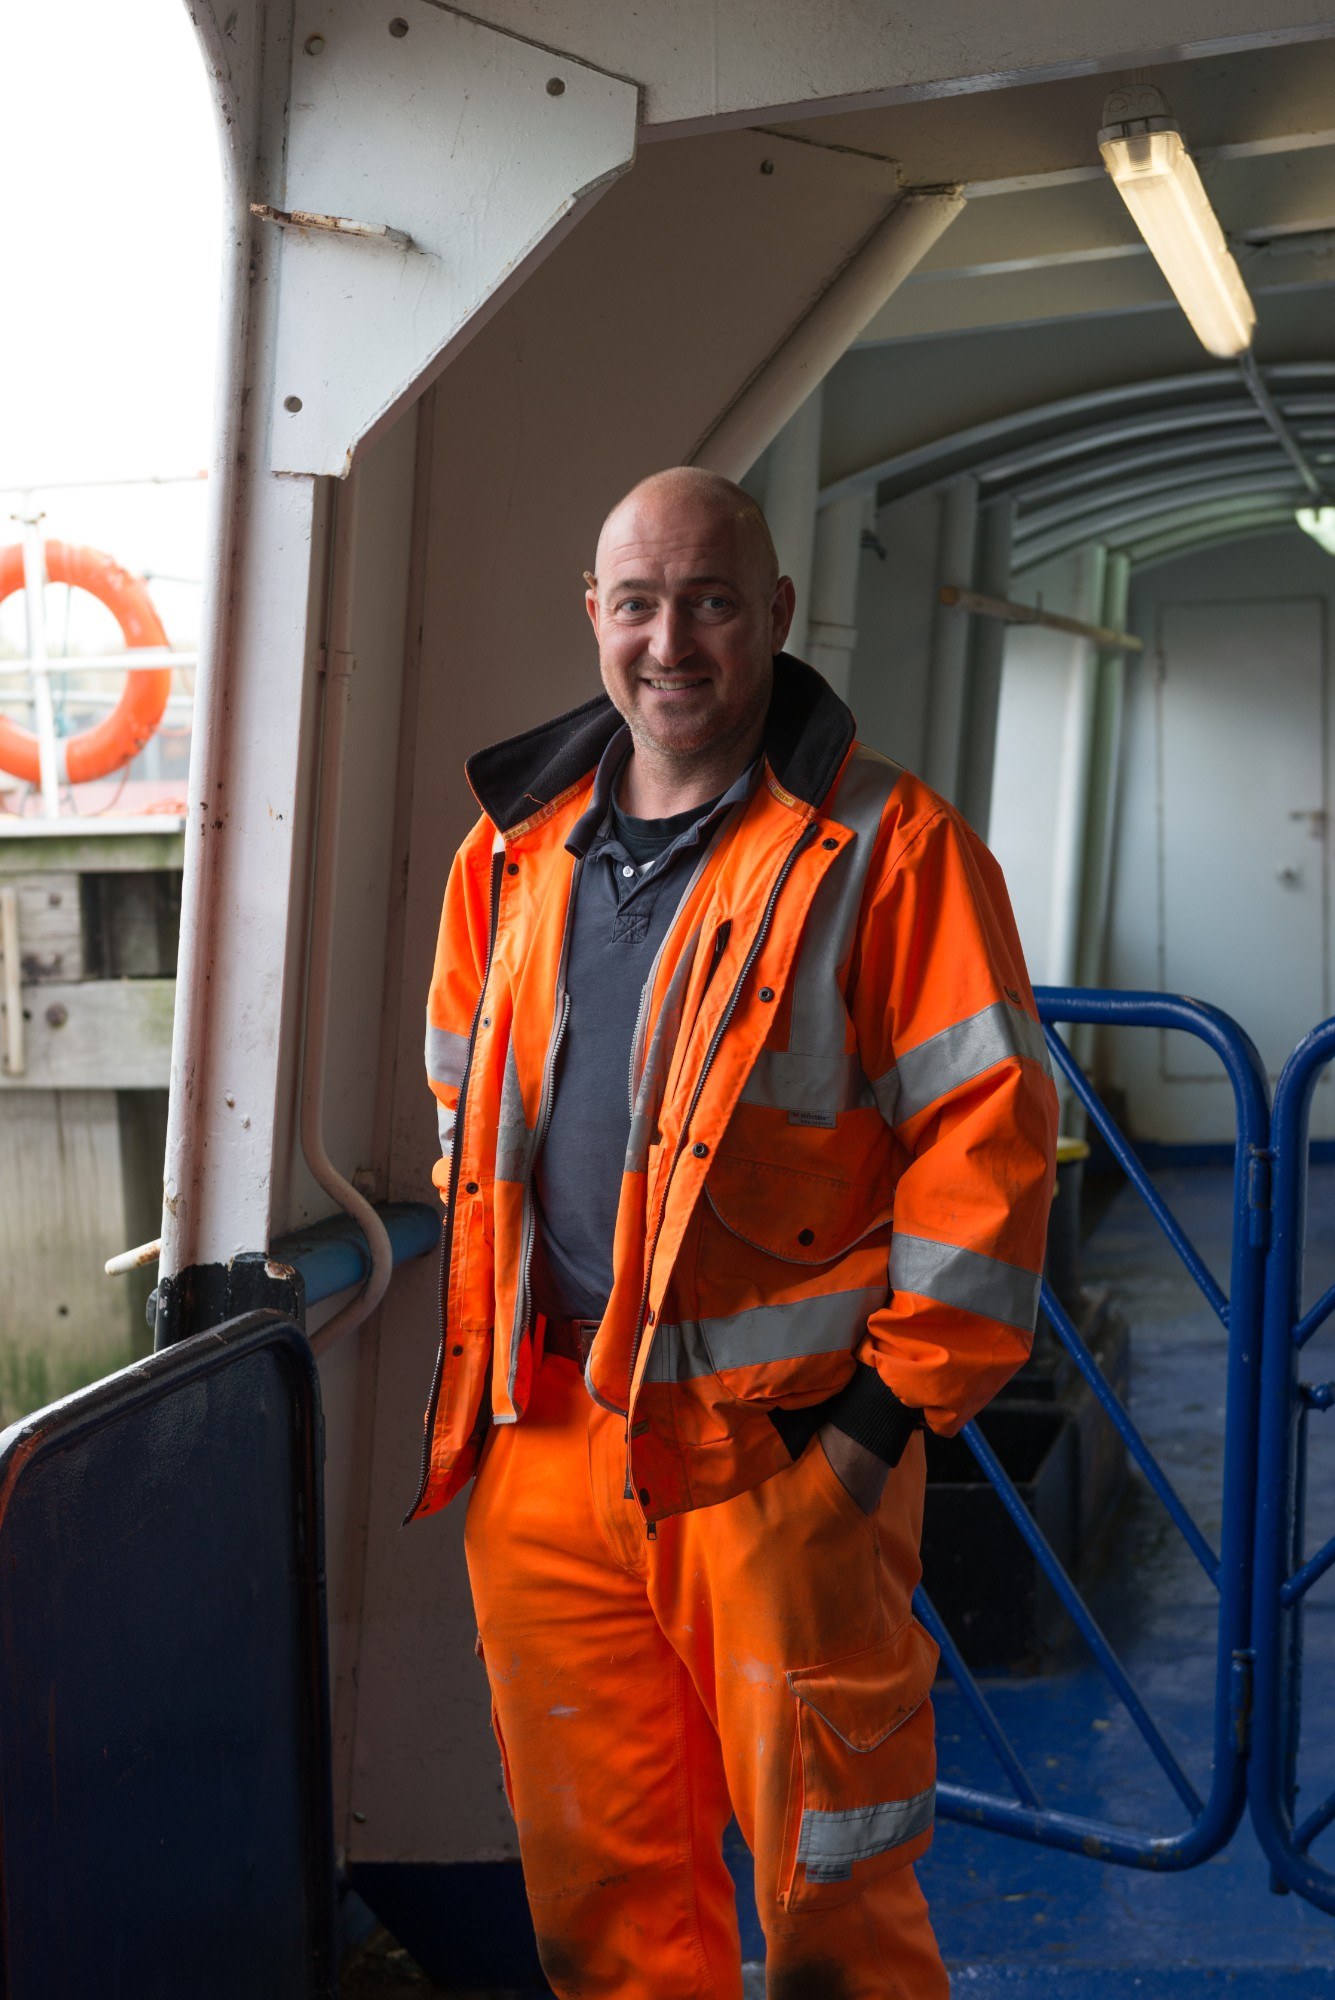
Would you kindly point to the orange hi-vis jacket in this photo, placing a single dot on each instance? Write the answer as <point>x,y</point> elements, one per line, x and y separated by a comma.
<point>843,1120</point>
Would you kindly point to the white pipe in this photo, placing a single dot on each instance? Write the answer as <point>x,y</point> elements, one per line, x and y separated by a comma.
<point>783,382</point>
<point>832,632</point>
<point>187,1114</point>
<point>949,658</point>
<point>133,1260</point>
<point>1071,815</point>
<point>134,661</point>
<point>34,601</point>
<point>338,672</point>
<point>792,483</point>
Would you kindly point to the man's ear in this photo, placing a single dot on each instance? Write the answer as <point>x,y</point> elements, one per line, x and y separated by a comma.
<point>591,598</point>
<point>781,612</point>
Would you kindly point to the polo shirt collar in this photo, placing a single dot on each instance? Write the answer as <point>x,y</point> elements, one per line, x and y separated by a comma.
<point>597,817</point>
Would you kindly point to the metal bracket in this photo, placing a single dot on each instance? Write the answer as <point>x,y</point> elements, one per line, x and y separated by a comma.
<point>336,225</point>
<point>480,145</point>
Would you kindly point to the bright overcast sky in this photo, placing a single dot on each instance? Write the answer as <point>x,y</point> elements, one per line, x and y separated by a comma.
<point>113,199</point>
<point>109,163</point>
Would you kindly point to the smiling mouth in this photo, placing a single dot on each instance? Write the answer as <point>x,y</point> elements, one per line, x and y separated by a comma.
<point>675,686</point>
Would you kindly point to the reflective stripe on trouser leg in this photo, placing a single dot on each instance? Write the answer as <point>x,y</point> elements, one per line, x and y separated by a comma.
<point>795,1611</point>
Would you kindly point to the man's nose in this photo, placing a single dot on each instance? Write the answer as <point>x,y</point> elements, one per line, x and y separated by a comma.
<point>672,640</point>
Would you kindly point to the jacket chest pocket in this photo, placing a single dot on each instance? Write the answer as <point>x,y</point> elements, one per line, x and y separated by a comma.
<point>864,1786</point>
<point>796,1216</point>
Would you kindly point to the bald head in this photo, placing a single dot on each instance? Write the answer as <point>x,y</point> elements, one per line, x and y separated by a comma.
<point>690,610</point>
<point>688,500</point>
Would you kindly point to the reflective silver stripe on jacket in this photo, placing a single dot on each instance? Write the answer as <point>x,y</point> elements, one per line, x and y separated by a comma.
<point>831,1324</point>
<point>658,1057</point>
<point>964,1279</point>
<point>830,1842</point>
<point>445,1128</point>
<point>514,1135</point>
<point>956,1055</point>
<point>446,1055</point>
<point>813,1078</point>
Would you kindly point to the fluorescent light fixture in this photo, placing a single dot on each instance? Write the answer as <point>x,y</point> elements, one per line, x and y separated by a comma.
<point>1157,179</point>
<point>1319,523</point>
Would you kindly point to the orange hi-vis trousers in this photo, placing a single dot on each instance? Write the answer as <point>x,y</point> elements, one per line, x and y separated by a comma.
<point>758,1657</point>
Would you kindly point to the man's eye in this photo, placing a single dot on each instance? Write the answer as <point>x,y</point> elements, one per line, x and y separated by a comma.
<point>716,604</point>
<point>633,605</point>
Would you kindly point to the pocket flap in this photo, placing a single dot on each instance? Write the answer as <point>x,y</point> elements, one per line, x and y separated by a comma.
<point>866,1697</point>
<point>803,1218</point>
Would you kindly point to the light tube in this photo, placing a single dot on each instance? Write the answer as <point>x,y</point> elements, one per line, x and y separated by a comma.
<point>1157,179</point>
<point>1319,523</point>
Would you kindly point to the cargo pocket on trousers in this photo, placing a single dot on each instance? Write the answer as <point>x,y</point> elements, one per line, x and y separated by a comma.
<point>864,1780</point>
<point>506,1781</point>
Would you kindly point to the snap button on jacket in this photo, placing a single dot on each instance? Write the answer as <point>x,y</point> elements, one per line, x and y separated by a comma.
<point>842,1115</point>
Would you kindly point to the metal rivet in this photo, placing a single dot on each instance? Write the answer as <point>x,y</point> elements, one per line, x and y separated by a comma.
<point>555,87</point>
<point>486,1020</point>
<point>512,867</point>
<point>456,1351</point>
<point>229,1100</point>
<point>644,1496</point>
<point>806,1235</point>
<point>767,992</point>
<point>767,166</point>
<point>700,1149</point>
<point>292,403</point>
<point>652,1316</point>
<point>314,45</point>
<point>470,1187</point>
<point>398,27</point>
<point>829,843</point>
<point>57,1015</point>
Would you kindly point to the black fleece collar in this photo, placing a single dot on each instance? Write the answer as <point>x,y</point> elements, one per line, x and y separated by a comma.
<point>808,732</point>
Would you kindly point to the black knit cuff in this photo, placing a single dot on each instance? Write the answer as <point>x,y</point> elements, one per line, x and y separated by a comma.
<point>864,1410</point>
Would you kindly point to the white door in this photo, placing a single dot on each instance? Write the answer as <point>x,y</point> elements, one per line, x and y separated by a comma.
<point>1243,904</point>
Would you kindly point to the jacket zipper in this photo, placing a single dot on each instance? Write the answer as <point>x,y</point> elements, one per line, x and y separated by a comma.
<point>803,841</point>
<point>637,1039</point>
<point>456,1156</point>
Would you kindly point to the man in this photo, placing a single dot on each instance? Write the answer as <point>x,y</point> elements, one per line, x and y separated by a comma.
<point>718,993</point>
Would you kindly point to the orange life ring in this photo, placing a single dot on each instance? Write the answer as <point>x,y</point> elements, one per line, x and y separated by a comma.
<point>94,752</point>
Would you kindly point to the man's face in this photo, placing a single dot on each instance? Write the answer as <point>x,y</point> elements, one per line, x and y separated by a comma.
<point>687,623</point>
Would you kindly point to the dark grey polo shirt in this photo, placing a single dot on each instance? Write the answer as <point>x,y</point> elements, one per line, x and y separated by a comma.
<point>624,905</point>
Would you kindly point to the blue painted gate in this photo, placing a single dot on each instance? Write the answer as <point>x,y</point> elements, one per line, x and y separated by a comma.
<point>1262,1570</point>
<point>1209,1820</point>
<point>1286,1574</point>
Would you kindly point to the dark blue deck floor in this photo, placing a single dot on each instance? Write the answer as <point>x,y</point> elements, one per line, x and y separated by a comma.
<point>1017,1920</point>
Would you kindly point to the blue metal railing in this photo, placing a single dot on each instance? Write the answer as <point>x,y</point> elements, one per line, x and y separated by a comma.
<point>1283,1574</point>
<point>1212,1819</point>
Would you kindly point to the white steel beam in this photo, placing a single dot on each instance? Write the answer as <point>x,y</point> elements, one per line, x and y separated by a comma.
<point>434,162</point>
<point>807,354</point>
<point>713,60</point>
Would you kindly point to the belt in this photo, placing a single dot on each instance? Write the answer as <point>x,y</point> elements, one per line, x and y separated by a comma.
<point>571,1338</point>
